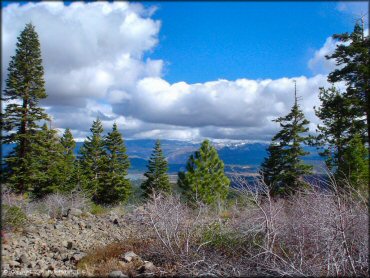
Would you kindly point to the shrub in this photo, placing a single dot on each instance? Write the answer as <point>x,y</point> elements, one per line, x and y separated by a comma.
<point>97,209</point>
<point>13,217</point>
<point>218,236</point>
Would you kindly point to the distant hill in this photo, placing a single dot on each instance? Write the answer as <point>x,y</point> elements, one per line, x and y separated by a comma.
<point>240,157</point>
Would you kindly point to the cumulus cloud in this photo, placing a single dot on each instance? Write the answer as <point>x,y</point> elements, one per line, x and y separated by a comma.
<point>318,64</point>
<point>232,105</point>
<point>88,49</point>
<point>94,67</point>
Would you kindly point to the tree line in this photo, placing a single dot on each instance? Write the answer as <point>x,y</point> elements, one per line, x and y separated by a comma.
<point>43,163</point>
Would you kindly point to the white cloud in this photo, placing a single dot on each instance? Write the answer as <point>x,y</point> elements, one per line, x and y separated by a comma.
<point>88,48</point>
<point>94,67</point>
<point>318,64</point>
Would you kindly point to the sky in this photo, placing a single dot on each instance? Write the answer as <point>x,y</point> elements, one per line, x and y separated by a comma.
<point>180,70</point>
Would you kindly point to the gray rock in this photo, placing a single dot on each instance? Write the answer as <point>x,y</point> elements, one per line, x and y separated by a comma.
<point>14,264</point>
<point>78,256</point>
<point>23,259</point>
<point>75,212</point>
<point>117,273</point>
<point>58,226</point>
<point>149,266</point>
<point>67,244</point>
<point>129,256</point>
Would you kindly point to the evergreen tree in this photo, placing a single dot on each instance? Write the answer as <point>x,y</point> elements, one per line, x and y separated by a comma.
<point>46,157</point>
<point>338,126</point>
<point>352,57</point>
<point>353,60</point>
<point>355,164</point>
<point>25,87</point>
<point>114,186</point>
<point>93,159</point>
<point>273,165</point>
<point>205,179</point>
<point>68,163</point>
<point>156,176</point>
<point>283,169</point>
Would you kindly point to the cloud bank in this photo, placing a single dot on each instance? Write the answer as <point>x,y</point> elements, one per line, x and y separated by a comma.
<point>93,56</point>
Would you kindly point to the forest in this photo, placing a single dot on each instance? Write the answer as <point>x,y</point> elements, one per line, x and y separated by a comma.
<point>200,225</point>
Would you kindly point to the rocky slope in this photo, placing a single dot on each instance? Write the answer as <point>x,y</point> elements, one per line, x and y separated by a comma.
<point>52,247</point>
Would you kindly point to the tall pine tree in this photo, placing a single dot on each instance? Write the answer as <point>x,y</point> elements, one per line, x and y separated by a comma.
<point>93,159</point>
<point>355,164</point>
<point>67,166</point>
<point>25,87</point>
<point>283,169</point>
<point>114,186</point>
<point>156,176</point>
<point>205,178</point>
<point>46,158</point>
<point>352,58</point>
<point>337,128</point>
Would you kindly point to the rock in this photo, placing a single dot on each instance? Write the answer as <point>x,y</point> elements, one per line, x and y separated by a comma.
<point>117,273</point>
<point>149,266</point>
<point>58,226</point>
<point>14,264</point>
<point>67,244</point>
<point>129,256</point>
<point>75,212</point>
<point>78,256</point>
<point>23,259</point>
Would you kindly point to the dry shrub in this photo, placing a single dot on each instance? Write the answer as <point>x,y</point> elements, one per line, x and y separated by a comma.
<point>313,233</point>
<point>102,260</point>
<point>57,204</point>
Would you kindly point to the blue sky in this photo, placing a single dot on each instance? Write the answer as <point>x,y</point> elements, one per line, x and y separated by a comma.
<point>210,40</point>
<point>181,70</point>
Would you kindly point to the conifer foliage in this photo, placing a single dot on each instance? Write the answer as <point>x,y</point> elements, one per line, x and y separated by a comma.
<point>93,158</point>
<point>46,159</point>
<point>114,186</point>
<point>25,87</point>
<point>67,167</point>
<point>283,168</point>
<point>205,179</point>
<point>156,176</point>
<point>347,115</point>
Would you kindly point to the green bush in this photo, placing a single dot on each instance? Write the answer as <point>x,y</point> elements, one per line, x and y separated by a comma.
<point>220,237</point>
<point>13,217</point>
<point>97,209</point>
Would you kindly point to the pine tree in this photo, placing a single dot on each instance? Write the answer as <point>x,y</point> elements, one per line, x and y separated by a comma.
<point>353,60</point>
<point>283,169</point>
<point>25,87</point>
<point>67,165</point>
<point>355,164</point>
<point>337,128</point>
<point>273,165</point>
<point>114,186</point>
<point>352,57</point>
<point>46,156</point>
<point>93,159</point>
<point>205,179</point>
<point>156,176</point>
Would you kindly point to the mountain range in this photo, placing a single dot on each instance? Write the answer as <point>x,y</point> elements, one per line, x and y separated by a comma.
<point>245,157</point>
